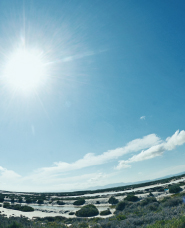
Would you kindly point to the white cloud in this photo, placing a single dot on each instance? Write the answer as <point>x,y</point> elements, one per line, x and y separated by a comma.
<point>58,176</point>
<point>157,150</point>
<point>8,174</point>
<point>142,117</point>
<point>91,159</point>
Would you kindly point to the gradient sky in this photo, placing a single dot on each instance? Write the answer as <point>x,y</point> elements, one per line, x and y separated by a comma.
<point>113,107</point>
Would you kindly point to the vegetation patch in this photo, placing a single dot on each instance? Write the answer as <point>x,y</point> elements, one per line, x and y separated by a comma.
<point>59,202</point>
<point>112,200</point>
<point>18,207</point>
<point>175,188</point>
<point>71,213</point>
<point>80,201</point>
<point>148,200</point>
<point>120,206</point>
<point>132,198</point>
<point>87,211</point>
<point>106,212</point>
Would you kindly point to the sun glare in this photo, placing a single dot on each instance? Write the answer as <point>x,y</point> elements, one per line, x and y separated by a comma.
<point>25,71</point>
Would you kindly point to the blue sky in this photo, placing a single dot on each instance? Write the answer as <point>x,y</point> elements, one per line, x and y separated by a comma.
<point>112,106</point>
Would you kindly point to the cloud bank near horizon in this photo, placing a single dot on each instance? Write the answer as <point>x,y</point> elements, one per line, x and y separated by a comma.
<point>57,177</point>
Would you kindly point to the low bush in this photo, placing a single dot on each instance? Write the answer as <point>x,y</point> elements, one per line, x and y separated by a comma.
<point>120,206</point>
<point>59,202</point>
<point>26,208</point>
<point>71,213</point>
<point>40,201</point>
<point>173,202</point>
<point>132,198</point>
<point>121,217</point>
<point>20,200</point>
<point>148,200</point>
<point>18,207</point>
<point>106,212</point>
<point>1,198</point>
<point>6,205</point>
<point>175,188</point>
<point>83,225</point>
<point>80,201</point>
<point>15,225</point>
<point>87,211</point>
<point>28,200</point>
<point>112,200</point>
<point>153,206</point>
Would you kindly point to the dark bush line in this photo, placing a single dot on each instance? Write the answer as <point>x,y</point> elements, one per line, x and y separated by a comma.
<point>18,207</point>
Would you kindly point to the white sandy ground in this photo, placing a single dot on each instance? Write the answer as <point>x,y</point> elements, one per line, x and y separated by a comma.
<point>31,215</point>
<point>103,200</point>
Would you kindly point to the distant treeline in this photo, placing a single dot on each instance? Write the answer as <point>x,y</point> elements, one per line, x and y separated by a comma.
<point>35,197</point>
<point>116,189</point>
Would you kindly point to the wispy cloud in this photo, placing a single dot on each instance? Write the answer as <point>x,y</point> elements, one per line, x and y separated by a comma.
<point>58,177</point>
<point>74,57</point>
<point>91,159</point>
<point>157,150</point>
<point>142,117</point>
<point>6,174</point>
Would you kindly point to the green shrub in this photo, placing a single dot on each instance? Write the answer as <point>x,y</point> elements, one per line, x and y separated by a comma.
<point>153,206</point>
<point>120,206</point>
<point>71,213</point>
<point>28,200</point>
<point>27,208</point>
<point>80,201</point>
<point>87,211</point>
<point>83,225</point>
<point>106,212</point>
<point>40,201</point>
<point>175,188</point>
<point>60,202</point>
<point>173,202</point>
<point>20,200</point>
<point>6,205</point>
<point>15,225</point>
<point>112,200</point>
<point>18,207</point>
<point>148,200</point>
<point>1,198</point>
<point>132,198</point>
<point>121,217</point>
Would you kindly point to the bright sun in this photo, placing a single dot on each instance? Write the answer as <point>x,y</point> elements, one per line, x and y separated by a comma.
<point>25,71</point>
